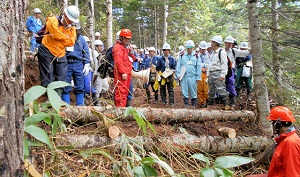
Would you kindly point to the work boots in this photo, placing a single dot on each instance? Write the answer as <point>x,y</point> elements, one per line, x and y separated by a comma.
<point>186,102</point>
<point>95,99</point>
<point>194,102</point>
<point>238,91</point>
<point>232,101</point>
<point>225,103</point>
<point>248,94</point>
<point>210,101</point>
<point>128,103</point>
<point>156,98</point>
<point>148,95</point>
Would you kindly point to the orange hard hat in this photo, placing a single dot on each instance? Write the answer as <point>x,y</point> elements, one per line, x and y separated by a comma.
<point>126,33</point>
<point>282,113</point>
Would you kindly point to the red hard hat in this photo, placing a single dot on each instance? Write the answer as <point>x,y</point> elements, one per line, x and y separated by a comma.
<point>126,33</point>
<point>282,113</point>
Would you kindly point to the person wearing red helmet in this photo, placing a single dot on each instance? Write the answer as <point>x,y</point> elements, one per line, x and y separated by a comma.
<point>123,57</point>
<point>286,158</point>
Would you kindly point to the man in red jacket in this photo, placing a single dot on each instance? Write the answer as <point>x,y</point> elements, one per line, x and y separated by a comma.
<point>286,158</point>
<point>123,58</point>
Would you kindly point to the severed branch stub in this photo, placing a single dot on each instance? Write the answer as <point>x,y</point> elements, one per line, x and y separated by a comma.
<point>226,132</point>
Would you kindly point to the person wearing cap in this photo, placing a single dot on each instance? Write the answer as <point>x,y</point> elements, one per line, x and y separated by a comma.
<point>151,62</point>
<point>232,53</point>
<point>59,34</point>
<point>90,78</point>
<point>166,65</point>
<point>33,25</point>
<point>97,36</point>
<point>217,73</point>
<point>202,89</point>
<point>123,57</point>
<point>188,79</point>
<point>244,72</point>
<point>286,158</point>
<point>78,56</point>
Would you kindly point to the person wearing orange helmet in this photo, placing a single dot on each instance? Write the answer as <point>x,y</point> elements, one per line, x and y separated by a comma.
<point>286,158</point>
<point>123,57</point>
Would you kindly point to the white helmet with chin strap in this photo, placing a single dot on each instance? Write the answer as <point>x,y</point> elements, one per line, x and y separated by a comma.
<point>229,39</point>
<point>189,44</point>
<point>98,42</point>
<point>217,39</point>
<point>203,45</point>
<point>86,38</point>
<point>181,48</point>
<point>37,11</point>
<point>244,45</point>
<point>72,12</point>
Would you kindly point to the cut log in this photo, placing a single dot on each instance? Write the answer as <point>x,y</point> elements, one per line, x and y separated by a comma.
<point>226,132</point>
<point>209,144</point>
<point>113,131</point>
<point>83,114</point>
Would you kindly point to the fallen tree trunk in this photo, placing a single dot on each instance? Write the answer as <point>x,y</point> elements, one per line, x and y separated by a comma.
<point>209,144</point>
<point>83,114</point>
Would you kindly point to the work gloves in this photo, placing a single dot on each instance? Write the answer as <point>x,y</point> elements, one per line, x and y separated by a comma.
<point>86,69</point>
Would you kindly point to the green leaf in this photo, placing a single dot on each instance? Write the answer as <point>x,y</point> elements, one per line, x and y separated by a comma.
<point>36,107</point>
<point>56,123</point>
<point>89,152</point>
<point>149,171</point>
<point>224,172</point>
<point>202,158</point>
<point>39,134</point>
<point>47,174</point>
<point>207,172</point>
<point>35,118</point>
<point>231,161</point>
<point>58,84</point>
<point>48,121</point>
<point>54,99</point>
<point>33,93</point>
<point>148,161</point>
<point>138,171</point>
<point>163,164</point>
<point>129,111</point>
<point>25,148</point>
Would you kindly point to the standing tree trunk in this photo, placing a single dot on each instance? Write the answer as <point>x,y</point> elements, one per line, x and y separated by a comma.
<point>275,51</point>
<point>109,30</point>
<point>261,91</point>
<point>165,22</point>
<point>90,23</point>
<point>155,28</point>
<point>12,55</point>
<point>76,3</point>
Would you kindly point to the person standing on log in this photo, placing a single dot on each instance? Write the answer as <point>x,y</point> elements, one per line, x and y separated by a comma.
<point>217,73</point>
<point>59,34</point>
<point>165,68</point>
<point>190,63</point>
<point>123,57</point>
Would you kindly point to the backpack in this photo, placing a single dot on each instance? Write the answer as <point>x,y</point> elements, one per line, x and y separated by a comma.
<point>229,64</point>
<point>107,67</point>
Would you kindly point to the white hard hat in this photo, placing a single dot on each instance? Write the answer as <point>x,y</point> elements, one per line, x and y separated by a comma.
<point>229,39</point>
<point>197,49</point>
<point>203,45</point>
<point>217,39</point>
<point>146,53</point>
<point>209,45</point>
<point>134,46</point>
<point>72,12</point>
<point>189,44</point>
<point>181,48</point>
<point>166,46</point>
<point>97,34</point>
<point>142,50</point>
<point>77,26</point>
<point>118,35</point>
<point>98,42</point>
<point>151,49</point>
<point>37,11</point>
<point>244,45</point>
<point>86,38</point>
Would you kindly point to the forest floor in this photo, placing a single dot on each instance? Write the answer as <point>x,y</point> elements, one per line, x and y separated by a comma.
<point>71,163</point>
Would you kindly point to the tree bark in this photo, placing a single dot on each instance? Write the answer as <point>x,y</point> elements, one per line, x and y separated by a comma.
<point>109,30</point>
<point>157,115</point>
<point>90,23</point>
<point>12,56</point>
<point>165,21</point>
<point>277,64</point>
<point>226,132</point>
<point>209,144</point>
<point>261,91</point>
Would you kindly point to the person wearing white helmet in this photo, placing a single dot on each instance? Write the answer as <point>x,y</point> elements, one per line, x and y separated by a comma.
<point>77,56</point>
<point>202,89</point>
<point>97,36</point>
<point>91,77</point>
<point>244,72</point>
<point>217,73</point>
<point>166,65</point>
<point>191,65</point>
<point>151,62</point>
<point>232,53</point>
<point>60,34</point>
<point>33,25</point>
<point>209,49</point>
<point>181,50</point>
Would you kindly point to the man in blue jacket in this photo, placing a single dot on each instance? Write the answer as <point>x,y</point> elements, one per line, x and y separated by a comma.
<point>166,65</point>
<point>78,57</point>
<point>33,25</point>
